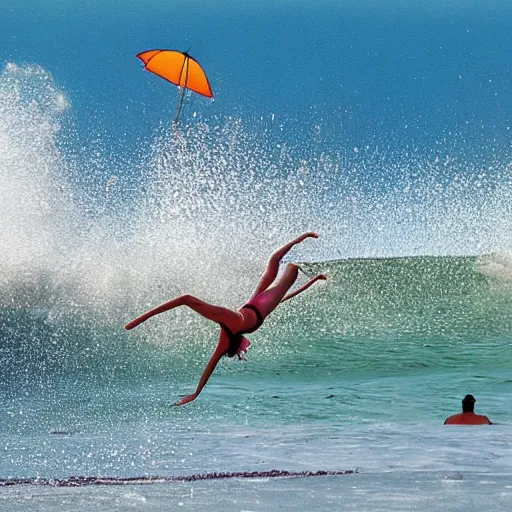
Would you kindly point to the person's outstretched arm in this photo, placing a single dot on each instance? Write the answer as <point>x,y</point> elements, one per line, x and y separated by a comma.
<point>221,349</point>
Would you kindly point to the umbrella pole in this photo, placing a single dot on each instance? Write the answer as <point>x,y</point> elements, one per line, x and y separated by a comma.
<point>180,104</point>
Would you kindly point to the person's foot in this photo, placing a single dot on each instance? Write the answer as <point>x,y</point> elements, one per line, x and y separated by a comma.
<point>310,234</point>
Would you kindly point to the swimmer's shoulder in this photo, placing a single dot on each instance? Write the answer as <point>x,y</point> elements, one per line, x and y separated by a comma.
<point>466,418</point>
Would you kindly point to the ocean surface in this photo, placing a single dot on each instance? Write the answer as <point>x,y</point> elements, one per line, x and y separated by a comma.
<point>384,128</point>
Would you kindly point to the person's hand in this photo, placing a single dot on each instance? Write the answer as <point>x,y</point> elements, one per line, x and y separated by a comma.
<point>186,399</point>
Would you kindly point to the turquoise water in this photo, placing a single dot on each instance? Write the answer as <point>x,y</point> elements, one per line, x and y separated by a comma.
<point>387,133</point>
<point>358,375</point>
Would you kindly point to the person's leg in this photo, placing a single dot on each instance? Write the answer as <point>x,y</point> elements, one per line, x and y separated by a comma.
<point>217,314</point>
<point>273,265</point>
<point>269,299</point>
<point>319,277</point>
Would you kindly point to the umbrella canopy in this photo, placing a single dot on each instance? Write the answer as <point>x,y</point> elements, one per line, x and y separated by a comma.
<point>178,68</point>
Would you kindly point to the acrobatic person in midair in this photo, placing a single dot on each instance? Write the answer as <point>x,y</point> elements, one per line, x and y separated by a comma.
<point>249,318</point>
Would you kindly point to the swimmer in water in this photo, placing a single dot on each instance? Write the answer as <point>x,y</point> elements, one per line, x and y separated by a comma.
<point>468,416</point>
<point>249,318</point>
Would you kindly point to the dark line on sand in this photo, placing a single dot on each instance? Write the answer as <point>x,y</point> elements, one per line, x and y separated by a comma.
<point>81,481</point>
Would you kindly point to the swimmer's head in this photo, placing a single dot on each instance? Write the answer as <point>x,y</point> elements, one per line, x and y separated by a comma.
<point>468,403</point>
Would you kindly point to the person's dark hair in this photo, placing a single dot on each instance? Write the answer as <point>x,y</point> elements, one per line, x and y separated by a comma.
<point>468,403</point>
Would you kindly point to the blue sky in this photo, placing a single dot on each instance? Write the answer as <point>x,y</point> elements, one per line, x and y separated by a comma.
<point>379,70</point>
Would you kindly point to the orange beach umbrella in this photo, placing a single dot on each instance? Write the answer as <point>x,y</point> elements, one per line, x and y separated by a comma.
<point>180,69</point>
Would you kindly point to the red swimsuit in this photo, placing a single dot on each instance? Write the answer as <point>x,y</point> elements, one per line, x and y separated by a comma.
<point>238,344</point>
